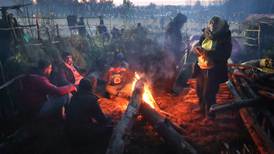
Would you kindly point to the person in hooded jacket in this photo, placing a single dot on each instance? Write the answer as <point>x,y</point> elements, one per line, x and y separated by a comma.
<point>213,51</point>
<point>85,120</point>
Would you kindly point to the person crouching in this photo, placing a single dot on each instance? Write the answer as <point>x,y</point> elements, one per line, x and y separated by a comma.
<point>86,123</point>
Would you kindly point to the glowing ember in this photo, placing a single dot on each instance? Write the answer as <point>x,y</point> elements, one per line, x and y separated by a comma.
<point>147,97</point>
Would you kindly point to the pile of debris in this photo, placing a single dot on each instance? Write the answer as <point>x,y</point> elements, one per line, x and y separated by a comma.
<point>253,89</point>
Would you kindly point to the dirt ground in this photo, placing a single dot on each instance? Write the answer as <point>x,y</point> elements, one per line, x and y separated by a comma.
<point>225,134</point>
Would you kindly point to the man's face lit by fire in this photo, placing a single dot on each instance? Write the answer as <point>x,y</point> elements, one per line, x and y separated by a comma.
<point>69,60</point>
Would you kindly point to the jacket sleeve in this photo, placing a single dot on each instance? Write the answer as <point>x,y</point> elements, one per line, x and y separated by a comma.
<point>51,89</point>
<point>223,49</point>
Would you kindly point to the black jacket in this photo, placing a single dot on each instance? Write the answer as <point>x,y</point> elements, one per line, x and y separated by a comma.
<point>62,75</point>
<point>219,55</point>
<point>84,110</point>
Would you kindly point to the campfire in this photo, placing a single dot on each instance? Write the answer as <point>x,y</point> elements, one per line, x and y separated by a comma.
<point>142,102</point>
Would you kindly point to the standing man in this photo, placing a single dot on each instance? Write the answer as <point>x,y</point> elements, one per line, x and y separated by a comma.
<point>213,51</point>
<point>102,30</point>
<point>173,47</point>
<point>173,36</point>
<point>82,28</point>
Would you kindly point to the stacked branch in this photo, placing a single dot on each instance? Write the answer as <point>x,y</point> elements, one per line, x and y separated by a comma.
<point>246,96</point>
<point>253,90</point>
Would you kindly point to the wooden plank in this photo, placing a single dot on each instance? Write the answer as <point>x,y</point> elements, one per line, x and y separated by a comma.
<point>251,38</point>
<point>251,45</point>
<point>252,30</point>
<point>263,142</point>
<point>260,138</point>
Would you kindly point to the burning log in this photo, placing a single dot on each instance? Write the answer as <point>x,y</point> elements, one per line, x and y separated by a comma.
<point>143,100</point>
<point>165,128</point>
<point>117,141</point>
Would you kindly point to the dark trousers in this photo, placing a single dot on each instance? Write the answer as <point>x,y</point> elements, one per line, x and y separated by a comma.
<point>206,88</point>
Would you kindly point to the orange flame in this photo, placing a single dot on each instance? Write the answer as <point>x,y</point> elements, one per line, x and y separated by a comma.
<point>147,97</point>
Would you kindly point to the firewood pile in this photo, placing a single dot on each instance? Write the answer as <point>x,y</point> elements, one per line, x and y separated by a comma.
<point>253,97</point>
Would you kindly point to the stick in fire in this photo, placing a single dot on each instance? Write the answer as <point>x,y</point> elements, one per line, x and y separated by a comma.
<point>142,98</point>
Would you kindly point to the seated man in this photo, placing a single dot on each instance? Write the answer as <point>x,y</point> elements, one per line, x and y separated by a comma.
<point>70,71</point>
<point>35,106</point>
<point>85,119</point>
<point>118,80</point>
<point>35,89</point>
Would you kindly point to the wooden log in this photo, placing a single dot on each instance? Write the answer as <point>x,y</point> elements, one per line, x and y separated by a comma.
<point>249,91</point>
<point>236,105</point>
<point>247,120</point>
<point>118,138</point>
<point>233,90</point>
<point>165,129</point>
<point>260,140</point>
<point>262,87</point>
<point>267,94</point>
<point>257,135</point>
<point>237,86</point>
